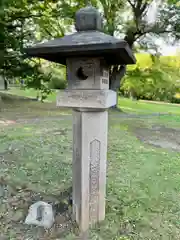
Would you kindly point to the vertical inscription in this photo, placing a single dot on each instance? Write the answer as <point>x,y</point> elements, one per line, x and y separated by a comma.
<point>105,77</point>
<point>78,185</point>
<point>76,166</point>
<point>94,180</point>
<point>106,74</point>
<point>105,81</point>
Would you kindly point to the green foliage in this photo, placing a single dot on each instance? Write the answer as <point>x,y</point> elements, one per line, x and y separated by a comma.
<point>38,79</point>
<point>22,23</point>
<point>57,83</point>
<point>153,79</point>
<point>13,34</point>
<point>25,22</point>
<point>57,73</point>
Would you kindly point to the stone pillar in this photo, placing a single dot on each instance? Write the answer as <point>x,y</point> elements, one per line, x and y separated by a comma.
<point>90,129</point>
<point>89,166</point>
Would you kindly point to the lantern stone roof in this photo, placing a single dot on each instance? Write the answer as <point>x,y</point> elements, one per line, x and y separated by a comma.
<point>88,41</point>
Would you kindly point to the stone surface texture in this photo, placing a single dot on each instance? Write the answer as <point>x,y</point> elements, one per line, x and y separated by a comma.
<point>44,218</point>
<point>88,18</point>
<point>90,99</point>
<point>89,166</point>
<point>95,70</point>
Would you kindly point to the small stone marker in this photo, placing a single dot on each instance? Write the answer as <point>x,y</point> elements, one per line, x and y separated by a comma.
<point>2,190</point>
<point>40,214</point>
<point>88,55</point>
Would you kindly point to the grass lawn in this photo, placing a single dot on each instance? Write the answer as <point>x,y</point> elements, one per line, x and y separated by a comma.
<point>148,107</point>
<point>143,181</point>
<point>29,93</point>
<point>126,104</point>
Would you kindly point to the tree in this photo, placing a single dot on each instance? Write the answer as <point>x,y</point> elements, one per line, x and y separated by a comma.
<point>128,18</point>
<point>25,22</point>
<point>12,36</point>
<point>153,78</point>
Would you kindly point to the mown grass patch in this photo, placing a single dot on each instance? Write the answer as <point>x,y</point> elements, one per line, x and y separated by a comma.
<point>143,182</point>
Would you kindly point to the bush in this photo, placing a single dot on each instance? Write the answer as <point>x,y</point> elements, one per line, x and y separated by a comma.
<point>149,84</point>
<point>57,83</point>
<point>176,98</point>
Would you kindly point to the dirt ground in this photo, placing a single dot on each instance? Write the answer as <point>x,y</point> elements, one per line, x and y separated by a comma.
<point>160,136</point>
<point>157,135</point>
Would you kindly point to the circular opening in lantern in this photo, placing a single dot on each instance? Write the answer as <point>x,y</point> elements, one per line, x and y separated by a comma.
<point>80,74</point>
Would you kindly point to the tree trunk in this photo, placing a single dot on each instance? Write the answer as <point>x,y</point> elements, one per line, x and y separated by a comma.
<point>116,75</point>
<point>5,84</point>
<point>37,96</point>
<point>115,107</point>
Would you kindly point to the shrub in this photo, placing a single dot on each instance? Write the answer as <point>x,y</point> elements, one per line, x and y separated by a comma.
<point>176,98</point>
<point>149,84</point>
<point>57,83</point>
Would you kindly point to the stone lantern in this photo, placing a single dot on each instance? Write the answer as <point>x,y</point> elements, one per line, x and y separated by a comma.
<point>88,55</point>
